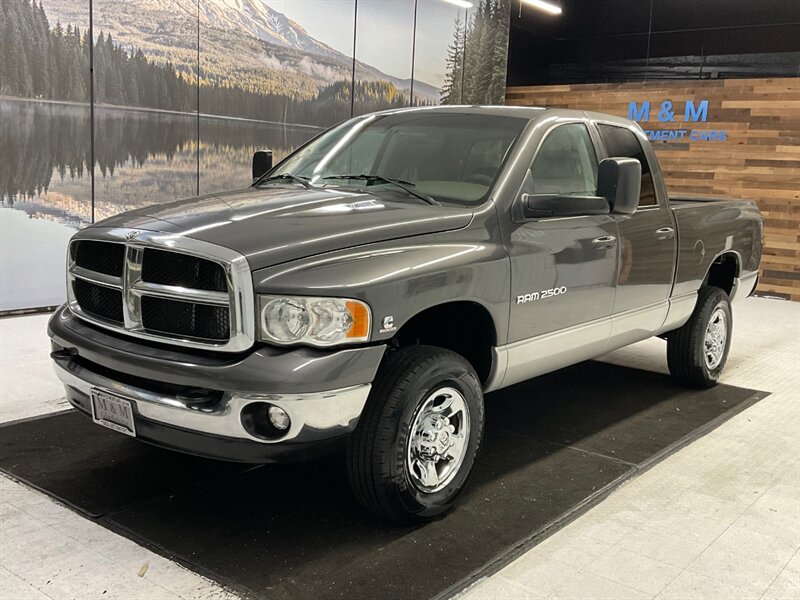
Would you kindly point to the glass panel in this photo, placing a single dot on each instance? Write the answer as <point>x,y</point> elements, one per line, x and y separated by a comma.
<point>450,157</point>
<point>486,52</point>
<point>599,42</point>
<point>146,111</point>
<point>45,172</point>
<point>272,76</point>
<point>438,55</point>
<point>384,43</point>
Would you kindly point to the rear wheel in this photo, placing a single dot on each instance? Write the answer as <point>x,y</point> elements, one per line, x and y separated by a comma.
<point>697,351</point>
<point>418,437</point>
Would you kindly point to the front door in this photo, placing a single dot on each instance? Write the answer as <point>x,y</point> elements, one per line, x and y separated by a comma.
<point>562,269</point>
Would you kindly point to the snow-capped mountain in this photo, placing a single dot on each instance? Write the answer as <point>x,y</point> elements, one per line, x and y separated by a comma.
<point>257,19</point>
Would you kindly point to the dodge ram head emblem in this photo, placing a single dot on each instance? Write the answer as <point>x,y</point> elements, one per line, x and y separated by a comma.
<point>132,235</point>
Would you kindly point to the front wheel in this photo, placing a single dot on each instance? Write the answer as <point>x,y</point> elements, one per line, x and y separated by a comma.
<point>418,437</point>
<point>697,351</point>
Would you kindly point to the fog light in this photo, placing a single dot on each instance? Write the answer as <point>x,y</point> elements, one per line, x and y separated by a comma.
<point>278,417</point>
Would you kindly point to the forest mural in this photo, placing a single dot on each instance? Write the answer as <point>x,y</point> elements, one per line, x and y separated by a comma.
<point>185,90</point>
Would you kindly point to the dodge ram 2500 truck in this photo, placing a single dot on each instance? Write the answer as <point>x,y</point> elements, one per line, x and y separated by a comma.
<point>367,291</point>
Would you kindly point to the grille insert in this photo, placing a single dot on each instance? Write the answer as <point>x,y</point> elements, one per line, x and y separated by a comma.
<point>99,300</point>
<point>170,268</point>
<point>101,257</point>
<point>198,295</point>
<point>188,319</point>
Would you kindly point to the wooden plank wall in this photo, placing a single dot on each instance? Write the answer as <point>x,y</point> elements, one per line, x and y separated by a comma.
<point>760,160</point>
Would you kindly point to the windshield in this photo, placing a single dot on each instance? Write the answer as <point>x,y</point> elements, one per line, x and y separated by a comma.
<point>453,157</point>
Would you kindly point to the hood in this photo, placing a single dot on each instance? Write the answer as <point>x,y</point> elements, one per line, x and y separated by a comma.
<point>276,224</point>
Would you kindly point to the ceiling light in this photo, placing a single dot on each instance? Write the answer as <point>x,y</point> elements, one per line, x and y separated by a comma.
<point>547,7</point>
<point>461,3</point>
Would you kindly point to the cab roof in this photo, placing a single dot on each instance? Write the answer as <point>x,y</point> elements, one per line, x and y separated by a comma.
<point>525,112</point>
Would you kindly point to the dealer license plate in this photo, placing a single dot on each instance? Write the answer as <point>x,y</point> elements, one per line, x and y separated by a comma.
<point>109,410</point>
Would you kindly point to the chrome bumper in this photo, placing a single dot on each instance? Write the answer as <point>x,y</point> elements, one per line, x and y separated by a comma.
<point>314,416</point>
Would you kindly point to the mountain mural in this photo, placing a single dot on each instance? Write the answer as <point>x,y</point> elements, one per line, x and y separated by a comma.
<point>244,43</point>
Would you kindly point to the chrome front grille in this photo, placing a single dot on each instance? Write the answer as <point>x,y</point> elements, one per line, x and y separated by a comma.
<point>162,287</point>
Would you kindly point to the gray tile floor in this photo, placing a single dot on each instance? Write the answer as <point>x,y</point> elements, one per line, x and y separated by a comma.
<point>720,519</point>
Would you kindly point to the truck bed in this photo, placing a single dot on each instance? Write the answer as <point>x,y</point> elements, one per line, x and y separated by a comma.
<point>710,227</point>
<point>679,202</point>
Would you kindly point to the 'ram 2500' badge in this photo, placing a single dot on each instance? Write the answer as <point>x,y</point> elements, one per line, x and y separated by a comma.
<point>549,293</point>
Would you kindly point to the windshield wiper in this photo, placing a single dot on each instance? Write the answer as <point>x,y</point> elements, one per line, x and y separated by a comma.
<point>403,185</point>
<point>302,181</point>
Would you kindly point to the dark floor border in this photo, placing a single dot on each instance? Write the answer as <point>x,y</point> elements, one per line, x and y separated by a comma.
<point>511,554</point>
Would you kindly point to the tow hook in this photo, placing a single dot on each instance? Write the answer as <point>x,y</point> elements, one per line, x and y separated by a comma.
<point>64,354</point>
<point>197,397</point>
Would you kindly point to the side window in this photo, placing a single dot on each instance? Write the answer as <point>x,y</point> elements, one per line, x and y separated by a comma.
<point>621,142</point>
<point>566,163</point>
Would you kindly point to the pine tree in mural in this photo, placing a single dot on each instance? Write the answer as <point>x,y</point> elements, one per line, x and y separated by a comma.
<point>40,61</point>
<point>451,91</point>
<point>476,62</point>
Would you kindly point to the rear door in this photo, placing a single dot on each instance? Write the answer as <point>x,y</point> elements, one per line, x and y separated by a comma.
<point>647,243</point>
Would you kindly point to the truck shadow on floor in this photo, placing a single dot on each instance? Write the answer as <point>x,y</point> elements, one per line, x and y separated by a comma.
<point>296,531</point>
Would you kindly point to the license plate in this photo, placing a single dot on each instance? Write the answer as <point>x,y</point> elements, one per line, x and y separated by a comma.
<point>109,410</point>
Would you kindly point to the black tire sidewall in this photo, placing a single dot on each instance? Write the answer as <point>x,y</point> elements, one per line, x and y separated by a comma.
<point>717,300</point>
<point>448,372</point>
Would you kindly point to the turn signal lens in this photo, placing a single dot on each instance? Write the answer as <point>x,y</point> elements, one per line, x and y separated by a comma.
<point>359,313</point>
<point>315,321</point>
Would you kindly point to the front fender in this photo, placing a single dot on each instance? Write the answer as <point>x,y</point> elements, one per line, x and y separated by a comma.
<point>400,279</point>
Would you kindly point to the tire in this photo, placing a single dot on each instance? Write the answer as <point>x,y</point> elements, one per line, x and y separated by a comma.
<point>415,387</point>
<point>686,347</point>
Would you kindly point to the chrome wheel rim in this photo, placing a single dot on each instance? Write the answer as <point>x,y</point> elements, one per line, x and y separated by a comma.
<point>437,443</point>
<point>715,339</point>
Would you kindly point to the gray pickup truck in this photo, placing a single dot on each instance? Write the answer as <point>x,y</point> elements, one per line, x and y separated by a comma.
<point>367,291</point>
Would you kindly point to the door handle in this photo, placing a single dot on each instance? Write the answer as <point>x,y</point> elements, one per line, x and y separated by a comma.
<point>665,233</point>
<point>604,242</point>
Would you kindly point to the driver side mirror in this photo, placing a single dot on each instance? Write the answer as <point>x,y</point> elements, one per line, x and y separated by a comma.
<point>262,163</point>
<point>619,180</point>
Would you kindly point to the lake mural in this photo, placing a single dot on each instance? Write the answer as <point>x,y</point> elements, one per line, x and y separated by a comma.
<point>186,90</point>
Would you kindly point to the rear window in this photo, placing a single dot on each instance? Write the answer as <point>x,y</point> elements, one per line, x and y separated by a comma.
<point>623,143</point>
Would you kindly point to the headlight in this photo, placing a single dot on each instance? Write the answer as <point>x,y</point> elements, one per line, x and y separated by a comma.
<point>310,320</point>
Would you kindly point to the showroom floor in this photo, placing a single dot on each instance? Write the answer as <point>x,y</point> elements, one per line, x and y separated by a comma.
<point>718,519</point>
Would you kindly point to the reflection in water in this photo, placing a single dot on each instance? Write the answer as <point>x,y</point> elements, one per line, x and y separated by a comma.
<point>141,157</point>
<point>45,147</point>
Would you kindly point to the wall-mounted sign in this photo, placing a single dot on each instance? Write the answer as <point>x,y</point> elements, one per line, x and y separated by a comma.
<point>667,112</point>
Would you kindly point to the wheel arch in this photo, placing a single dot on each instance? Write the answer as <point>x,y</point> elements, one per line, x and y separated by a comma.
<point>462,326</point>
<point>723,271</point>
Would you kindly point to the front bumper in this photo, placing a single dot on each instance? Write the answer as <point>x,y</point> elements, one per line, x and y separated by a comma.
<point>324,404</point>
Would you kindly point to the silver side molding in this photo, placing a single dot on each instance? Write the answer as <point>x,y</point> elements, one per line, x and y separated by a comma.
<point>744,286</point>
<point>638,324</point>
<point>680,309</point>
<point>536,356</point>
